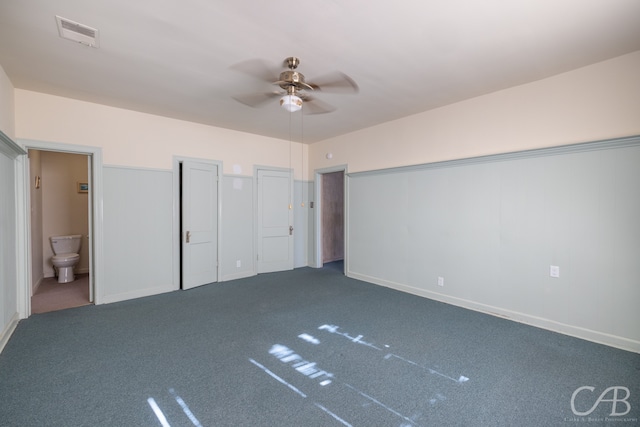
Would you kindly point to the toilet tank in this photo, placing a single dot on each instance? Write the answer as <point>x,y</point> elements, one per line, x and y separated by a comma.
<point>66,244</point>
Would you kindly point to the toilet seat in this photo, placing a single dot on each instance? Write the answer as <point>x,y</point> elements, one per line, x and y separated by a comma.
<point>65,258</point>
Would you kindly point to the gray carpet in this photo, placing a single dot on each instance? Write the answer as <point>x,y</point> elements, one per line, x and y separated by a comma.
<point>308,347</point>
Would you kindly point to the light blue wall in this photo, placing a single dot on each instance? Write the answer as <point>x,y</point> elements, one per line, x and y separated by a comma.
<point>138,233</point>
<point>8,264</point>
<point>237,227</point>
<point>311,229</point>
<point>302,223</point>
<point>493,226</point>
<point>11,250</point>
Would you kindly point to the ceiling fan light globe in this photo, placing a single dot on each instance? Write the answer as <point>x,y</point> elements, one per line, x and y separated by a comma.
<point>291,103</point>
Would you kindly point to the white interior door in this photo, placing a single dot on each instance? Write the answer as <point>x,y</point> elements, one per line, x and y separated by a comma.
<point>199,224</point>
<point>275,221</point>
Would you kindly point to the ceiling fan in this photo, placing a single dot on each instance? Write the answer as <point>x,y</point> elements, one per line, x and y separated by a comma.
<point>295,91</point>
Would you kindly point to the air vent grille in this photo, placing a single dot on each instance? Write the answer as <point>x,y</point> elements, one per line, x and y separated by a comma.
<point>77,32</point>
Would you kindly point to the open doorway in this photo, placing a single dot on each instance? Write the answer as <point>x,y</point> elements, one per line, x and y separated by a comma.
<point>93,243</point>
<point>330,217</point>
<point>60,206</point>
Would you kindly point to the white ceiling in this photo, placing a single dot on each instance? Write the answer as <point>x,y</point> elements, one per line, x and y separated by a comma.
<point>175,58</point>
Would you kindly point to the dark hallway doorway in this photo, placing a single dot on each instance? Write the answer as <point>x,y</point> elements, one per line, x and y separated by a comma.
<point>332,204</point>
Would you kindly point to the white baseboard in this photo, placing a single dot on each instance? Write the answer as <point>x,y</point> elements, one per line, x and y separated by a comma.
<point>539,322</point>
<point>235,276</point>
<point>139,293</point>
<point>36,286</point>
<point>8,330</point>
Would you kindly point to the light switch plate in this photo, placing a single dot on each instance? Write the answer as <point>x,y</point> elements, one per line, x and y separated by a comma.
<point>554,271</point>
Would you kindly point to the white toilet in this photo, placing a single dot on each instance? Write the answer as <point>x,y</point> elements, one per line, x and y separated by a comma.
<point>66,255</point>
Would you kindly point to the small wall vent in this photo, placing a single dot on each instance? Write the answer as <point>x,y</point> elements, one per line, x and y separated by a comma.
<point>77,32</point>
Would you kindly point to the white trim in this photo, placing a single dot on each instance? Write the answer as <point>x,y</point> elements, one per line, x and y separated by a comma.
<point>317,217</point>
<point>24,287</point>
<point>607,144</point>
<point>137,168</point>
<point>9,148</point>
<point>8,330</point>
<point>24,223</point>
<point>539,322</point>
<point>346,223</point>
<point>37,285</point>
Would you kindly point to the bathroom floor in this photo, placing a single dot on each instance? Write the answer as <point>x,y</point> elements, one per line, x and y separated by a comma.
<point>52,296</point>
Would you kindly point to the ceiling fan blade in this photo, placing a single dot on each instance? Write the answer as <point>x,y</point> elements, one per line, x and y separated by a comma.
<point>335,82</point>
<point>313,105</point>
<point>256,99</point>
<point>257,68</point>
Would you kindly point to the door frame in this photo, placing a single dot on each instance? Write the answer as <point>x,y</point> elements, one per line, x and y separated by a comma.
<point>96,231</point>
<point>177,208</point>
<point>317,216</point>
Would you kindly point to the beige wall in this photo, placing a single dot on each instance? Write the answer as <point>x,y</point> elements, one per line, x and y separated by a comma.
<point>597,102</point>
<point>7,117</point>
<point>592,103</point>
<point>130,138</point>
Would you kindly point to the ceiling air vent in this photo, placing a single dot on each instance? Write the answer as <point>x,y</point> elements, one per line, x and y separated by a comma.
<point>77,32</point>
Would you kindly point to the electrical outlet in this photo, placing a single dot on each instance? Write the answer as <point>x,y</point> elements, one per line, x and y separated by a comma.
<point>440,281</point>
<point>554,271</point>
<point>238,264</point>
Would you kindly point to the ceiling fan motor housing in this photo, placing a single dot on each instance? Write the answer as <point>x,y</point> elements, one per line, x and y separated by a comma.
<point>291,78</point>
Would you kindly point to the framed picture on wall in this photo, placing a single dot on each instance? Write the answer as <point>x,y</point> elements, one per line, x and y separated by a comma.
<point>83,187</point>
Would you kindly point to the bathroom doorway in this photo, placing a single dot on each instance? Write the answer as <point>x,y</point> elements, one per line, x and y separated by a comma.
<point>60,204</point>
